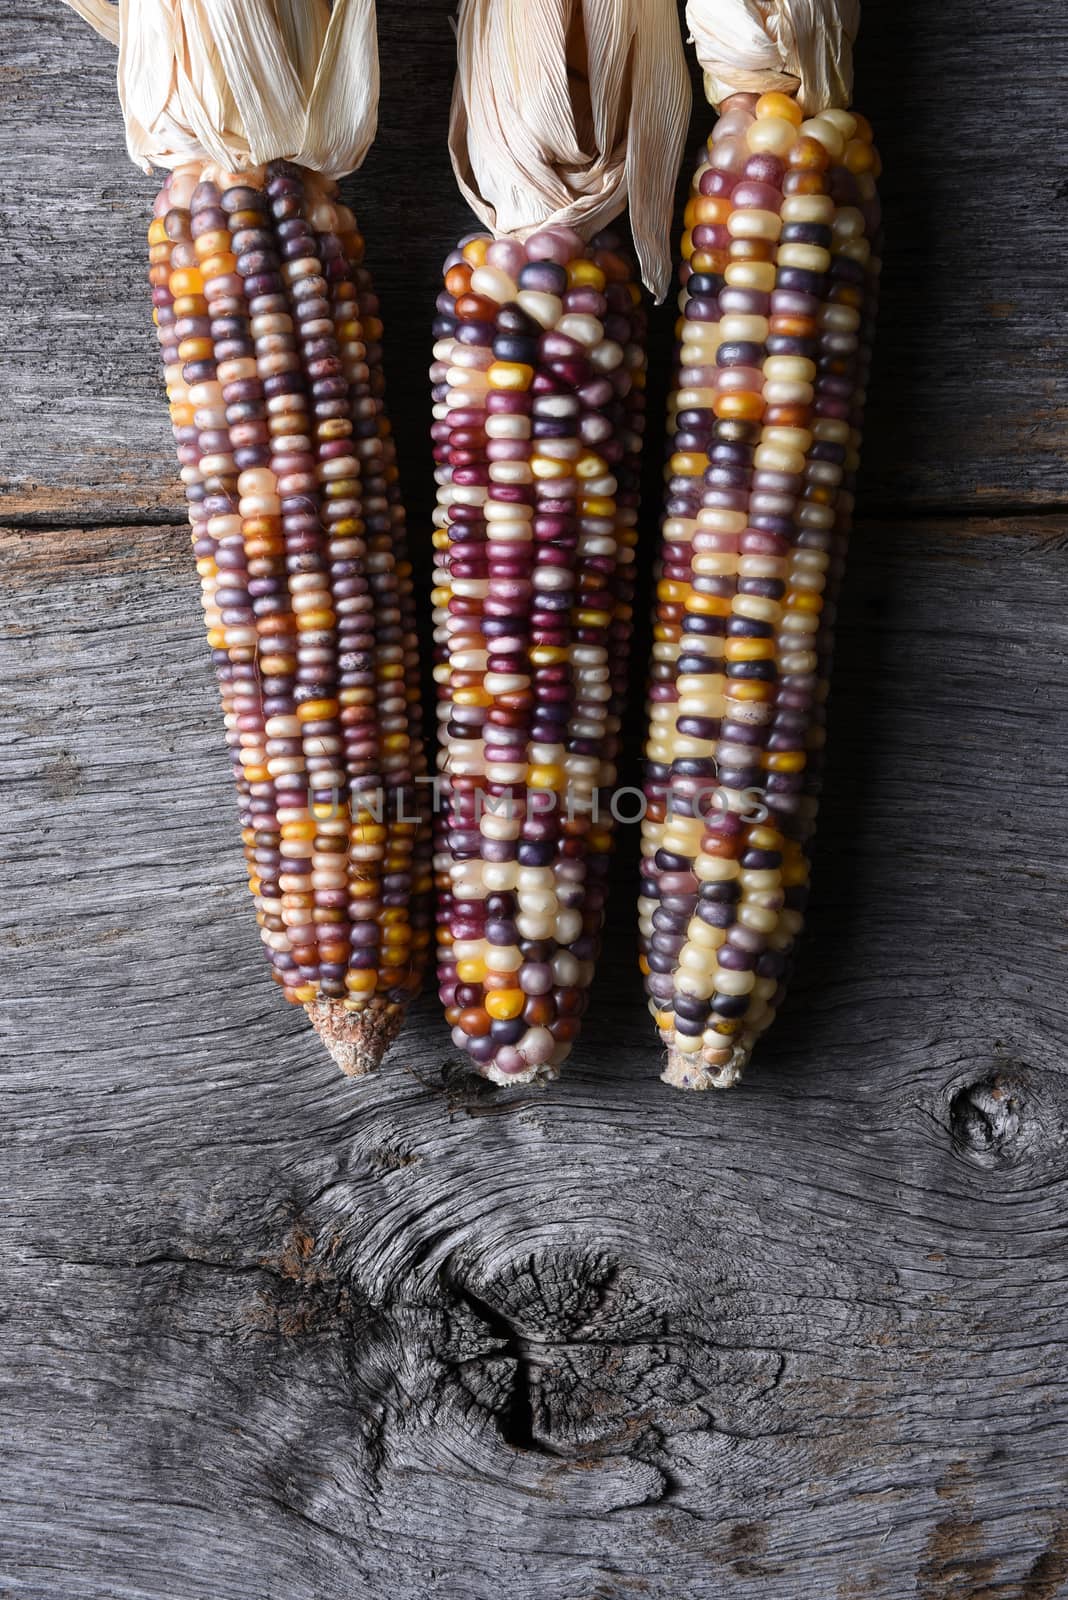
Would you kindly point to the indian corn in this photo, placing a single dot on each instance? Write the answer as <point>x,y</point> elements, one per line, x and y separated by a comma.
<point>538,378</point>
<point>268,329</point>
<point>779,281</point>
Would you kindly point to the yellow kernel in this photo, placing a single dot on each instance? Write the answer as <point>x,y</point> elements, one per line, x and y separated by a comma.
<point>740,690</point>
<point>369,833</point>
<point>736,403</point>
<point>708,605</point>
<point>708,260</point>
<point>298,830</point>
<point>546,777</point>
<point>392,915</point>
<point>775,104</point>
<point>859,156</point>
<point>550,467</point>
<point>186,281</point>
<point>317,710</point>
<point>196,350</point>
<point>708,209</point>
<point>584,275</point>
<point>510,375</point>
<point>190,303</point>
<point>218,266</point>
<point>749,649</point>
<point>504,1004</point>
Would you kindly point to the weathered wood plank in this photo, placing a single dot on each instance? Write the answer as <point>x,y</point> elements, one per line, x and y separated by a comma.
<point>966,403</point>
<point>273,1333</point>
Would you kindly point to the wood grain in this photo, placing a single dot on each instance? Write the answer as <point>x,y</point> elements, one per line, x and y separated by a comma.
<point>274,1333</point>
<point>269,1334</point>
<point>967,410</point>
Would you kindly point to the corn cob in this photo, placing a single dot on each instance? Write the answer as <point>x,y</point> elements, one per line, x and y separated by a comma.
<point>298,535</point>
<point>538,389</point>
<point>779,281</point>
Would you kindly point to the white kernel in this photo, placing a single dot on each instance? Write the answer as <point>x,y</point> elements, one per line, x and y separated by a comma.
<point>494,284</point>
<point>817,208</point>
<point>546,309</point>
<point>748,329</point>
<point>745,224</point>
<point>586,330</point>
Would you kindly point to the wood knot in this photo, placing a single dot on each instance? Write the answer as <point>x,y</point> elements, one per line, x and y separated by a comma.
<point>594,1370</point>
<point>988,1119</point>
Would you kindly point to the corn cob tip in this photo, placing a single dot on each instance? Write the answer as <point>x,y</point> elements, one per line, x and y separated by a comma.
<point>356,1043</point>
<point>691,1072</point>
<point>535,1077</point>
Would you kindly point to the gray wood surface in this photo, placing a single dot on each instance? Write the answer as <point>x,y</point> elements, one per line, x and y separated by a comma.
<point>968,411</point>
<point>269,1334</point>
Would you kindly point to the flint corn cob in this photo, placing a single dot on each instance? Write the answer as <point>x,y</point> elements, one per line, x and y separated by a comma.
<point>266,324</point>
<point>538,389</point>
<point>779,282</point>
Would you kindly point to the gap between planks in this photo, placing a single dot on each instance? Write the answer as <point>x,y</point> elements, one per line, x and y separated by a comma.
<point>1003,518</point>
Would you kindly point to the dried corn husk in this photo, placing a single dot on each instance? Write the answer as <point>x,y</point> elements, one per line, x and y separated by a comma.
<point>566,110</point>
<point>753,46</point>
<point>243,82</point>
